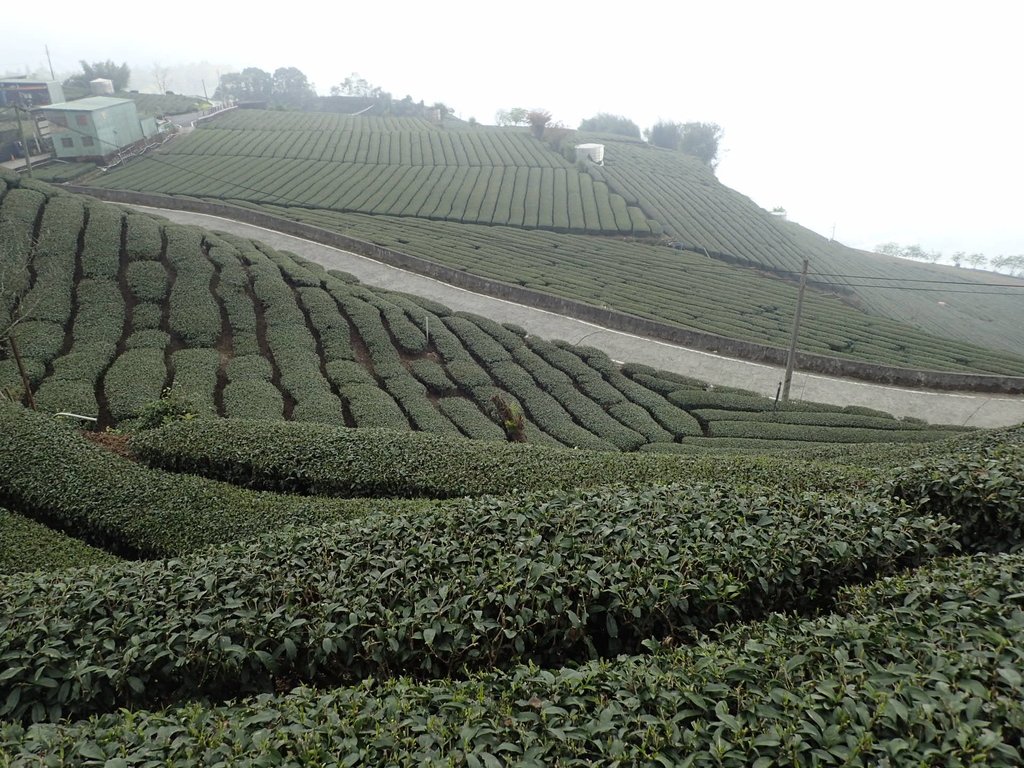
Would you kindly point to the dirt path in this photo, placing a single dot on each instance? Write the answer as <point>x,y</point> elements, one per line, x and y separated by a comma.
<point>980,410</point>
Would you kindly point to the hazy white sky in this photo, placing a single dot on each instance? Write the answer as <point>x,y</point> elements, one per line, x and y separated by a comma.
<point>899,120</point>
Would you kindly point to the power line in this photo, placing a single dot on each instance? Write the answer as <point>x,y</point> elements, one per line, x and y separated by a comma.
<point>914,280</point>
<point>932,290</point>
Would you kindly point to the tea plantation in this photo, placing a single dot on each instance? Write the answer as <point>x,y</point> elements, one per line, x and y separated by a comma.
<point>419,173</point>
<point>112,307</point>
<point>320,549</point>
<point>726,610</point>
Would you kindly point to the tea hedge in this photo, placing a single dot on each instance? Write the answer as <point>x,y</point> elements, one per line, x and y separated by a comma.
<point>51,296</point>
<point>253,399</point>
<point>194,313</point>
<point>978,485</point>
<point>137,377</point>
<point>19,212</point>
<point>30,546</point>
<point>316,459</point>
<point>147,280</point>
<point>470,420</point>
<point>143,238</point>
<point>195,373</point>
<point>919,670</point>
<point>146,316</point>
<point>767,430</point>
<point>101,246</point>
<point>131,510</point>
<point>550,579</point>
<point>411,396</point>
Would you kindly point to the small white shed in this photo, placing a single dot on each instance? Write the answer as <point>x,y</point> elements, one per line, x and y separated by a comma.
<point>101,86</point>
<point>592,152</point>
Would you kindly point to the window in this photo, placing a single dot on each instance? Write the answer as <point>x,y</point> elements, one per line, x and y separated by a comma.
<point>60,120</point>
<point>82,119</point>
<point>66,142</point>
<point>87,141</point>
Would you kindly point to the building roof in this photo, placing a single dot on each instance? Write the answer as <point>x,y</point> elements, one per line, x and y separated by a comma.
<point>18,80</point>
<point>90,104</point>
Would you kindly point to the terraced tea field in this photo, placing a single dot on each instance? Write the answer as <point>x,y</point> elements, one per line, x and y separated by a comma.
<point>678,287</point>
<point>294,588</point>
<point>696,209</point>
<point>398,166</point>
<point>289,628</point>
<point>409,168</point>
<point>115,306</point>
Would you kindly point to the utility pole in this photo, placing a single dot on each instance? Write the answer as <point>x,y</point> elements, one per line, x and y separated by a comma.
<point>24,141</point>
<point>50,62</point>
<point>791,359</point>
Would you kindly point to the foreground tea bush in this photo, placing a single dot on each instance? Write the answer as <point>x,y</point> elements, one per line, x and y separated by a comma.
<point>315,459</point>
<point>980,484</point>
<point>547,578</point>
<point>917,670</point>
<point>49,471</point>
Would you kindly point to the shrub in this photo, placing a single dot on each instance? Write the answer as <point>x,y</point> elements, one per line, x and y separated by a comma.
<point>550,579</point>
<point>29,546</point>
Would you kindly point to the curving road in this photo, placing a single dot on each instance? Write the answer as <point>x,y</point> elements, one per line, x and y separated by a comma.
<point>938,407</point>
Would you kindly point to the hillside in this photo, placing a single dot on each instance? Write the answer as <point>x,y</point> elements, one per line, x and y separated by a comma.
<point>115,306</point>
<point>415,172</point>
<point>703,214</point>
<point>342,576</point>
<point>400,166</point>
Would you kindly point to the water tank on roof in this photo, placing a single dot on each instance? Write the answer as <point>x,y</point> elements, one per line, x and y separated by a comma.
<point>592,152</point>
<point>101,87</point>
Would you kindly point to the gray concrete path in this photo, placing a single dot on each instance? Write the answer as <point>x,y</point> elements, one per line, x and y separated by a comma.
<point>965,408</point>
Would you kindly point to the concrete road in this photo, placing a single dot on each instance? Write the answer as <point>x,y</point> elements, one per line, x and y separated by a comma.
<point>938,407</point>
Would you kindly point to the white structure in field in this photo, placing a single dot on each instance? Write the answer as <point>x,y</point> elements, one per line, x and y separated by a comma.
<point>101,87</point>
<point>592,152</point>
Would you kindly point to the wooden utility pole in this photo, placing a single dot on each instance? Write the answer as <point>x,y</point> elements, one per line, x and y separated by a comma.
<point>791,359</point>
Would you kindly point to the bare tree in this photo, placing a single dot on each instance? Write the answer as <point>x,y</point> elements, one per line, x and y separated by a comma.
<point>161,75</point>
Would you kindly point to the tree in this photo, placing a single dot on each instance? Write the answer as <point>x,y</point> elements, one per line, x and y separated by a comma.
<point>1014,265</point>
<point>976,260</point>
<point>251,84</point>
<point>908,252</point>
<point>108,70</point>
<point>665,134</point>
<point>356,85</point>
<point>701,140</point>
<point>161,76</point>
<point>290,86</point>
<point>604,122</point>
<point>538,120</point>
<point>698,140</point>
<point>514,116</point>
